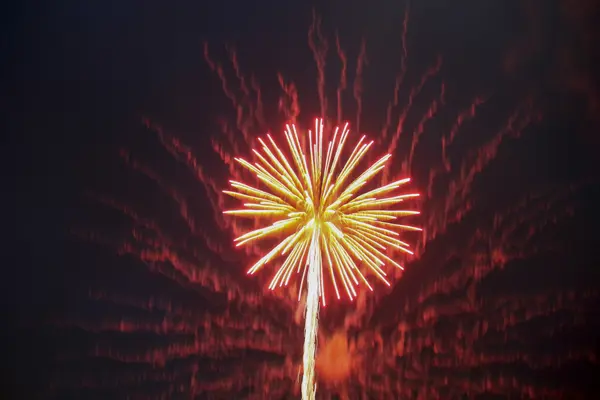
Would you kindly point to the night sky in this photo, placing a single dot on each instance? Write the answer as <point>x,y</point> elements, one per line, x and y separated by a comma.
<point>119,276</point>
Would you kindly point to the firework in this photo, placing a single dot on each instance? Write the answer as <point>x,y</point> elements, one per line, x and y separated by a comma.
<point>324,224</point>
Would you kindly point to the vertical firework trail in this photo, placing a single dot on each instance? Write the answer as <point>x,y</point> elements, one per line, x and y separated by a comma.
<point>311,327</point>
<point>198,316</point>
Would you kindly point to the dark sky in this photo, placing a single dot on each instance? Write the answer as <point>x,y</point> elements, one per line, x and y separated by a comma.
<point>501,299</point>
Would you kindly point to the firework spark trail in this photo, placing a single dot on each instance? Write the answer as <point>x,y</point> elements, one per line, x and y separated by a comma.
<point>358,87</point>
<point>219,70</point>
<point>246,122</point>
<point>224,154</point>
<point>533,206</point>
<point>508,311</point>
<point>249,112</point>
<point>160,240</point>
<point>534,212</point>
<point>158,258</point>
<point>431,112</point>
<point>399,77</point>
<point>505,231</point>
<point>446,140</point>
<point>415,91</point>
<point>457,203</point>
<point>208,344</point>
<point>238,71</point>
<point>459,189</point>
<point>288,105</point>
<point>125,210</point>
<point>260,118</point>
<point>343,80</point>
<point>504,247</point>
<point>185,155</point>
<point>319,46</point>
<point>241,122</point>
<point>173,194</point>
<point>158,251</point>
<point>187,316</point>
<point>463,117</point>
<point>183,317</point>
<point>224,85</point>
<point>225,157</point>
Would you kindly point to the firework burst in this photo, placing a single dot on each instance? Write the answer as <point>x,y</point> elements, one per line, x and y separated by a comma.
<point>316,208</point>
<point>450,140</point>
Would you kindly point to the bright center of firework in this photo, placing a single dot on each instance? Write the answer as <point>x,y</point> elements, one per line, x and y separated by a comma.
<point>318,193</point>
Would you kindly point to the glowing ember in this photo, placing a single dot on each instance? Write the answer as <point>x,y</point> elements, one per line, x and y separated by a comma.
<point>315,207</point>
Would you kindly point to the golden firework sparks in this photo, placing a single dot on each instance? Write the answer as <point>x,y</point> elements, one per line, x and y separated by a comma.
<point>318,212</point>
<point>312,201</point>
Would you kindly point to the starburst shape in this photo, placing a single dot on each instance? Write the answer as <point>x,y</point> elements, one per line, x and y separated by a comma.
<point>317,206</point>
